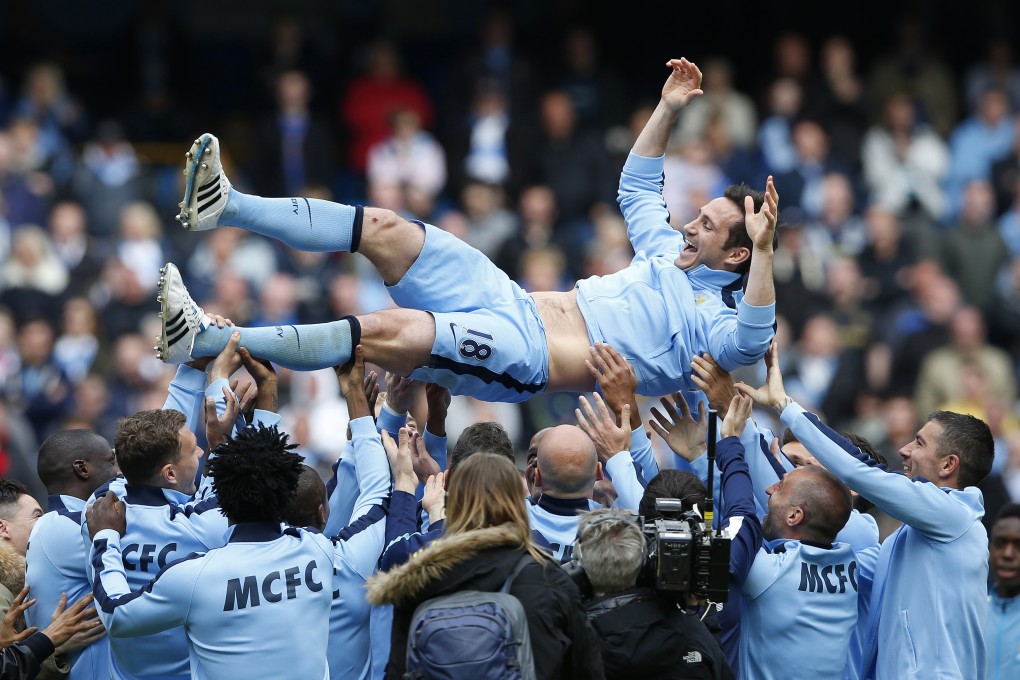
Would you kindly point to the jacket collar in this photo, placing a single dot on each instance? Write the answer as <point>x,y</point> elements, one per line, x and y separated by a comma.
<point>143,494</point>
<point>566,507</point>
<point>720,279</point>
<point>59,502</point>
<point>255,532</point>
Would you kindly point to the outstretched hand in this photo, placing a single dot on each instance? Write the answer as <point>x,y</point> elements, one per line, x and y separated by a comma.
<point>609,438</point>
<point>683,85</point>
<point>761,225</point>
<point>714,381</point>
<point>9,633</point>
<point>616,378</point>
<point>772,394</point>
<point>399,455</point>
<point>684,435</point>
<point>736,416</point>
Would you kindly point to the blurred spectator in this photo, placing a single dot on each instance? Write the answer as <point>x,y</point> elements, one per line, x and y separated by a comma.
<point>913,68</point>
<point>544,269</point>
<point>801,186</point>
<point>295,148</point>
<point>489,224</point>
<point>610,251</point>
<point>905,161</point>
<point>77,348</point>
<point>836,229</point>
<point>539,215</point>
<point>821,373</point>
<point>136,371</point>
<point>21,201</point>
<point>34,278</point>
<point>738,164</point>
<point>1009,223</point>
<point>978,142</point>
<point>10,360</point>
<point>18,447</point>
<point>972,252</point>
<point>61,119</point>
<point>229,250</point>
<point>691,179</point>
<point>997,70</point>
<point>720,101</point>
<point>108,178</point>
<point>572,162</point>
<point>799,272</point>
<point>79,252</point>
<point>792,57</point>
<point>595,87</point>
<point>315,414</point>
<point>372,98</point>
<point>900,424</point>
<point>409,157</point>
<point>40,390</point>
<point>785,101</point>
<point>91,408</point>
<point>481,146</point>
<point>839,101</point>
<point>924,326</point>
<point>278,301</point>
<point>943,378</point>
<point>122,298</point>
<point>139,246</point>
<point>33,263</point>
<point>1004,324</point>
<point>232,298</point>
<point>1006,173</point>
<point>885,261</point>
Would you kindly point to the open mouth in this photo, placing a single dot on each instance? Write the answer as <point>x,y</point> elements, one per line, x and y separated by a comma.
<point>1006,573</point>
<point>689,247</point>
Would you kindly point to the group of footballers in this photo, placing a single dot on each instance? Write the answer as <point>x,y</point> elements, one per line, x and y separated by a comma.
<point>264,568</point>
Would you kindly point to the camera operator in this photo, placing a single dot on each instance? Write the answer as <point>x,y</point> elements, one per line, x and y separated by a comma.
<point>640,633</point>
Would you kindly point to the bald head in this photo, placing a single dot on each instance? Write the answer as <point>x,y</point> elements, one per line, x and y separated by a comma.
<point>567,464</point>
<point>809,503</point>
<point>76,463</point>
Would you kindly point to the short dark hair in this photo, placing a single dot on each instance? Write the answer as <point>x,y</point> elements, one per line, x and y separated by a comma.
<point>1008,510</point>
<point>736,236</point>
<point>147,441</point>
<point>309,495</point>
<point>970,439</point>
<point>826,502</point>
<point>485,437</point>
<point>255,475</point>
<point>61,449</point>
<point>678,484</point>
<point>10,491</point>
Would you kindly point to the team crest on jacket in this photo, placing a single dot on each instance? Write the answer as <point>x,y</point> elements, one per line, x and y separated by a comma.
<point>699,298</point>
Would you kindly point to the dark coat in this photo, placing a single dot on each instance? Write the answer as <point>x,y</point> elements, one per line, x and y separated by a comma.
<point>561,638</point>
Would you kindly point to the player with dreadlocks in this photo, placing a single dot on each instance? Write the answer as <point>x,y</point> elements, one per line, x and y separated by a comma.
<point>257,607</point>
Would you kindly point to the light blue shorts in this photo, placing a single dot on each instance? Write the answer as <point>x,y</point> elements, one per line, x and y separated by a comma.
<point>490,341</point>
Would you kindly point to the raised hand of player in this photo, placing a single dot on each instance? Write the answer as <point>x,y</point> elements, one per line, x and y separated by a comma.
<point>106,513</point>
<point>9,633</point>
<point>227,361</point>
<point>616,379</point>
<point>737,414</point>
<point>717,384</point>
<point>422,462</point>
<point>265,378</point>
<point>351,377</point>
<point>433,501</point>
<point>439,400</point>
<point>399,392</point>
<point>398,453</point>
<point>761,225</point>
<point>772,394</point>
<point>683,84</point>
<point>372,390</point>
<point>219,428</point>
<point>609,437</point>
<point>685,436</point>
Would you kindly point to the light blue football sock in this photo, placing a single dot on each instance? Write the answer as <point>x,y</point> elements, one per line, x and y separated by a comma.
<point>299,348</point>
<point>308,224</point>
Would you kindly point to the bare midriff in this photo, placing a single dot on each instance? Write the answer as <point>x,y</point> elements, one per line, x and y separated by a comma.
<point>567,338</point>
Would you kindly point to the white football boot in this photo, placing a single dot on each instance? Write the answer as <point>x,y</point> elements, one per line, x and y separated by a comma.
<point>206,188</point>
<point>181,319</point>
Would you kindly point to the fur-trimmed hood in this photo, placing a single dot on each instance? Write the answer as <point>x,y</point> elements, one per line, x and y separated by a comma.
<point>12,570</point>
<point>429,567</point>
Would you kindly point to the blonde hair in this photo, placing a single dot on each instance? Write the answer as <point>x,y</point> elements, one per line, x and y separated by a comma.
<point>486,492</point>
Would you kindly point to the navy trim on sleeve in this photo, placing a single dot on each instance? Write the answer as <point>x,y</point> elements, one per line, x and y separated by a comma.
<point>107,603</point>
<point>375,514</point>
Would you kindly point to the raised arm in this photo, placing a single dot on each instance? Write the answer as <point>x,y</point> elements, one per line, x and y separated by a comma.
<point>373,473</point>
<point>760,290</point>
<point>739,515</point>
<point>640,195</point>
<point>921,505</point>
